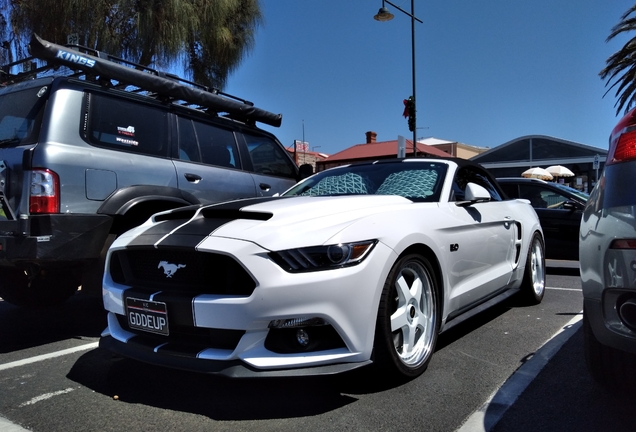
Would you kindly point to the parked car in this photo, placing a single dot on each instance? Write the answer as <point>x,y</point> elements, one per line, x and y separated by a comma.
<point>559,208</point>
<point>91,146</point>
<point>608,265</point>
<point>355,265</point>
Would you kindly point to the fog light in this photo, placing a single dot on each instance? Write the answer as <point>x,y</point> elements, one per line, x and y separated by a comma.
<point>302,337</point>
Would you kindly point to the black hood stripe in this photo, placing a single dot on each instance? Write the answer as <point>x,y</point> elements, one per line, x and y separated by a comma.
<point>188,233</point>
<point>241,204</point>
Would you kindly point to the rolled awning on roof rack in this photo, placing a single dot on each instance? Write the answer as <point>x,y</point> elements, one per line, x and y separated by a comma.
<point>164,86</point>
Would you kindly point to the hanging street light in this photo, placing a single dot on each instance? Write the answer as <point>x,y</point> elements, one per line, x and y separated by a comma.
<point>385,15</point>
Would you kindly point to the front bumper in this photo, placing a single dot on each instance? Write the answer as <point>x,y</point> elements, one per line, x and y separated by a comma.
<point>345,299</point>
<point>53,238</point>
<point>230,369</point>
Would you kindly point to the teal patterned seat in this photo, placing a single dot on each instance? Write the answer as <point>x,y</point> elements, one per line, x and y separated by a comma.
<point>412,184</point>
<point>345,184</point>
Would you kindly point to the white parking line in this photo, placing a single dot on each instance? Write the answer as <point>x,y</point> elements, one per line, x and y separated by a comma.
<point>486,417</point>
<point>45,396</point>
<point>564,289</point>
<point>48,356</point>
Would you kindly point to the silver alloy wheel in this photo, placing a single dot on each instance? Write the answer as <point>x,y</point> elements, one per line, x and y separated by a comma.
<point>537,270</point>
<point>414,316</point>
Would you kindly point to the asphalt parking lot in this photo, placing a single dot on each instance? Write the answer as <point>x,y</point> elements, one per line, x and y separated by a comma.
<point>76,391</point>
<point>554,391</point>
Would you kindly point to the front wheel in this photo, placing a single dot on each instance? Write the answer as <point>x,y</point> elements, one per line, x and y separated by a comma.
<point>533,285</point>
<point>408,318</point>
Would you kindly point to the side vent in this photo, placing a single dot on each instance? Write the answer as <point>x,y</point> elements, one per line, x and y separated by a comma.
<point>518,242</point>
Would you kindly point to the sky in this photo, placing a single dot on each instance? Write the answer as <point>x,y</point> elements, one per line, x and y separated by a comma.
<point>487,71</point>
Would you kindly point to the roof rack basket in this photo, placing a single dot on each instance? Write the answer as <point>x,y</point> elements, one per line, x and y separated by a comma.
<point>101,66</point>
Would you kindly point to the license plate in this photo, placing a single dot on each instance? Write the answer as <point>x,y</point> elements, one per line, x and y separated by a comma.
<point>147,315</point>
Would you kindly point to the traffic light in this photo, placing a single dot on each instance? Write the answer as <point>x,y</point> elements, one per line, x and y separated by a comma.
<point>409,111</point>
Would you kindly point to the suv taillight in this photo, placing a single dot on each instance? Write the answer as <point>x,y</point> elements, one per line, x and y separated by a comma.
<point>626,147</point>
<point>45,192</point>
<point>623,140</point>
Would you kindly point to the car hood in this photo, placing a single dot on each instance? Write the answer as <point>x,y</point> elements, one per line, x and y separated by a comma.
<point>286,222</point>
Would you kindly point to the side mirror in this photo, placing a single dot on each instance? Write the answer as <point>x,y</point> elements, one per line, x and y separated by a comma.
<point>474,193</point>
<point>305,170</point>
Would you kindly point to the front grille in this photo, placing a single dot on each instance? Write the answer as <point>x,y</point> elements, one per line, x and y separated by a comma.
<point>183,271</point>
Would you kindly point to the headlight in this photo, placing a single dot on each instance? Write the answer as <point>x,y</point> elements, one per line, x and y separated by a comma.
<point>323,257</point>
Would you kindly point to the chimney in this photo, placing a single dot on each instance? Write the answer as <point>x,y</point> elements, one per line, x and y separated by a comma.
<point>371,137</point>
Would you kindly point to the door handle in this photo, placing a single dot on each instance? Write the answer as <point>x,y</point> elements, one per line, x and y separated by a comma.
<point>192,178</point>
<point>264,187</point>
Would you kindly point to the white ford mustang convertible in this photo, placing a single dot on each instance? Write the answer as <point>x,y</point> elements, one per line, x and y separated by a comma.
<point>355,265</point>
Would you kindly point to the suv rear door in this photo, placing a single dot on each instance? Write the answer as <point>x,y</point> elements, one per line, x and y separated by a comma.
<point>208,163</point>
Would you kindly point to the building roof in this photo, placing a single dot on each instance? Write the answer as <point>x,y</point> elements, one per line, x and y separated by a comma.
<point>535,150</point>
<point>382,149</point>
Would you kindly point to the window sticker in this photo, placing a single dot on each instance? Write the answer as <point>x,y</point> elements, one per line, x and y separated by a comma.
<point>129,132</point>
<point>127,141</point>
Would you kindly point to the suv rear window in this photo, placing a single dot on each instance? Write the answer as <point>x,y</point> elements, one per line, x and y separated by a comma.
<point>212,145</point>
<point>21,116</point>
<point>126,126</point>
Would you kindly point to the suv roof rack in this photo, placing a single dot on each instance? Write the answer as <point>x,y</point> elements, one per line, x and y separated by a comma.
<point>104,68</point>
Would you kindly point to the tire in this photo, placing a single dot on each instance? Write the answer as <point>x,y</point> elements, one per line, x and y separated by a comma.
<point>410,299</point>
<point>613,369</point>
<point>48,288</point>
<point>533,284</point>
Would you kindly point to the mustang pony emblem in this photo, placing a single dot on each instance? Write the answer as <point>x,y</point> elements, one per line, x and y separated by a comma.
<point>169,269</point>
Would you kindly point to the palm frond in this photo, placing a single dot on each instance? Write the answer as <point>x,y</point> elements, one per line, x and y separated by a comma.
<point>620,68</point>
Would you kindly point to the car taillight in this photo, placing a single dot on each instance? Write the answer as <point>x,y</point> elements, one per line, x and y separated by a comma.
<point>626,147</point>
<point>45,192</point>
<point>623,140</point>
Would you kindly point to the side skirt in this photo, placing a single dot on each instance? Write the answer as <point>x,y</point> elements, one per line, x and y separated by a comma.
<point>470,311</point>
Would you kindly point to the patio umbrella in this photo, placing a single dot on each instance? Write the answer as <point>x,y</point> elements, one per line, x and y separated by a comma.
<point>559,171</point>
<point>539,173</point>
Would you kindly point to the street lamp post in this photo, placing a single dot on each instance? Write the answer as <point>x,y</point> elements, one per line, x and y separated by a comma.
<point>384,15</point>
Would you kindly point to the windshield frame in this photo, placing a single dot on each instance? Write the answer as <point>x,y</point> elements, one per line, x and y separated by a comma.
<point>425,178</point>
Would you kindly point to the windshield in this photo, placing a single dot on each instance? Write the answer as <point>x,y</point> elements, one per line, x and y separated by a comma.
<point>21,115</point>
<point>581,195</point>
<point>417,181</point>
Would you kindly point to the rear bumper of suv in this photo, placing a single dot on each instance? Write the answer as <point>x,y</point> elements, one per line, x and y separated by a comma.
<point>53,238</point>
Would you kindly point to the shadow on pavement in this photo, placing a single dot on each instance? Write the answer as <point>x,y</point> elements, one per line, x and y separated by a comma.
<point>564,397</point>
<point>80,316</point>
<point>221,398</point>
<point>215,397</point>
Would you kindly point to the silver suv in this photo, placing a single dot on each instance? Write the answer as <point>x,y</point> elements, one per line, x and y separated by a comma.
<point>91,145</point>
<point>607,257</point>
